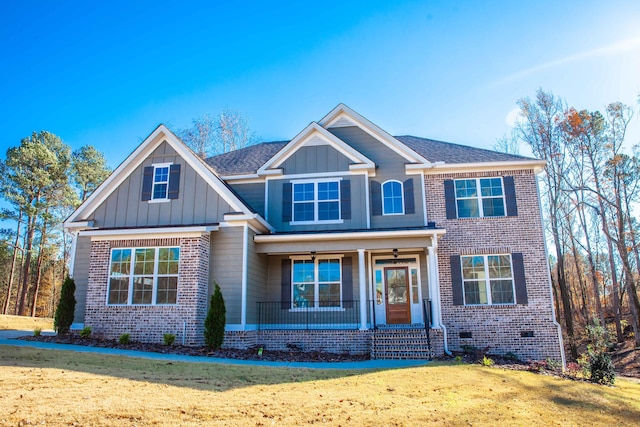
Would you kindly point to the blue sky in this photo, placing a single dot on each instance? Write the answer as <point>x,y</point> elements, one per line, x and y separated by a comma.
<point>107,73</point>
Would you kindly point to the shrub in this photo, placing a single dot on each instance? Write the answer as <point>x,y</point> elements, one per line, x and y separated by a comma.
<point>168,339</point>
<point>511,356</point>
<point>597,362</point>
<point>37,332</point>
<point>124,339</point>
<point>66,306</point>
<point>216,320</point>
<point>487,361</point>
<point>85,332</point>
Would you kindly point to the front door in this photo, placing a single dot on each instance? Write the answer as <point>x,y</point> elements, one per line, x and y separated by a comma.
<point>396,281</point>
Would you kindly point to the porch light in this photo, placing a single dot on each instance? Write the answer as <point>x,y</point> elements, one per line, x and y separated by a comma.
<point>313,255</point>
<point>395,253</point>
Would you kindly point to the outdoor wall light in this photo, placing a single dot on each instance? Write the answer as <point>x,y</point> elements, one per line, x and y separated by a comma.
<point>313,255</point>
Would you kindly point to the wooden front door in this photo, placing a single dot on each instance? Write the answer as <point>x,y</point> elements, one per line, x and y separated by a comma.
<point>396,281</point>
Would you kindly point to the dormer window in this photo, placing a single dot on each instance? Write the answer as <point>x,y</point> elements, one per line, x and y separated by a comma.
<point>161,182</point>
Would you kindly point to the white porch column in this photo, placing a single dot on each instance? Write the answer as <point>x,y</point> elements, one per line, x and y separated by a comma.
<point>245,267</point>
<point>72,254</point>
<point>362,278</point>
<point>434,289</point>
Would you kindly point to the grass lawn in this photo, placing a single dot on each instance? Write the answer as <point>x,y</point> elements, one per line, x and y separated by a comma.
<point>22,323</point>
<point>67,388</point>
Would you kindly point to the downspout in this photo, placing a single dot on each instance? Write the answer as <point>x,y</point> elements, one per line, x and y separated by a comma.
<point>245,264</point>
<point>433,250</point>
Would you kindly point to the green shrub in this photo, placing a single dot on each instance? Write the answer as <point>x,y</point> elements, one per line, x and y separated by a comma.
<point>66,306</point>
<point>124,339</point>
<point>168,339</point>
<point>511,356</point>
<point>37,332</point>
<point>85,332</point>
<point>216,320</point>
<point>597,362</point>
<point>487,361</point>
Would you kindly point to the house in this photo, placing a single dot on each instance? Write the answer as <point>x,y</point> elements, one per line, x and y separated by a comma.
<point>344,239</point>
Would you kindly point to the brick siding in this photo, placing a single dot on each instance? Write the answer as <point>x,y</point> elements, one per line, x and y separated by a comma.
<point>497,327</point>
<point>149,323</point>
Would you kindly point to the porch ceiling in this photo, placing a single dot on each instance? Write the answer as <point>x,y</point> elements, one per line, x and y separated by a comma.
<point>349,241</point>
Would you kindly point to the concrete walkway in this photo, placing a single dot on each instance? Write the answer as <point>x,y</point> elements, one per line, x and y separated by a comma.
<point>9,337</point>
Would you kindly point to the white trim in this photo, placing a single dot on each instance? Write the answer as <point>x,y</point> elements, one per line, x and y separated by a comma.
<point>367,205</point>
<point>401,197</point>
<point>72,253</point>
<point>243,179</point>
<point>78,225</point>
<point>479,197</point>
<point>313,130</point>
<point>440,168</point>
<point>136,159</point>
<point>316,281</point>
<point>245,266</point>
<point>153,182</point>
<point>424,198</point>
<point>272,238</point>
<point>148,233</point>
<point>486,282</point>
<point>316,201</point>
<point>362,284</point>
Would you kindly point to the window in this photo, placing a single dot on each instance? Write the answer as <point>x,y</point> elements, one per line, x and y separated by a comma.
<point>143,276</point>
<point>315,201</point>
<point>487,279</point>
<point>316,283</point>
<point>160,181</point>
<point>479,197</point>
<point>392,198</point>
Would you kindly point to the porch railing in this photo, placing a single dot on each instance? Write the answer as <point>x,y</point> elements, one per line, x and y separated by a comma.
<point>280,315</point>
<point>427,316</point>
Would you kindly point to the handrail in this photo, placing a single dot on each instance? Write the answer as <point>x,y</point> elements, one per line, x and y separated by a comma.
<point>426,315</point>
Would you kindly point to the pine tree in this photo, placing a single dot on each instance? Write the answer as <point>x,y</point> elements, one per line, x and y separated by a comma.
<point>215,322</point>
<point>66,307</point>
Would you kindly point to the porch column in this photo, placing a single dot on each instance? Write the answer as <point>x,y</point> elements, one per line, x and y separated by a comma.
<point>362,278</point>
<point>434,289</point>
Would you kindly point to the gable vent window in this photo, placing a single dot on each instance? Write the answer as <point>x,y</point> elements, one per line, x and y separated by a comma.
<point>161,182</point>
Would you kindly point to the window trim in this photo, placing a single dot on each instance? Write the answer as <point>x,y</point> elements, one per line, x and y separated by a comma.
<point>316,283</point>
<point>479,198</point>
<point>132,275</point>
<point>153,183</point>
<point>315,201</point>
<point>389,181</point>
<point>487,280</point>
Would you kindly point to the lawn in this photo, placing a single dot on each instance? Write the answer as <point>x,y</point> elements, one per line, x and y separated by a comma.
<point>22,323</point>
<point>67,388</point>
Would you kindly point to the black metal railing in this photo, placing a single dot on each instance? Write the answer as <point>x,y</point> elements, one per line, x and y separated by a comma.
<point>371,307</point>
<point>427,316</point>
<point>284,315</point>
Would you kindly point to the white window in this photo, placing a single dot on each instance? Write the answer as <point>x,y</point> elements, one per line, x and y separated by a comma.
<point>143,276</point>
<point>160,182</point>
<point>316,201</point>
<point>479,197</point>
<point>487,279</point>
<point>316,283</point>
<point>392,198</point>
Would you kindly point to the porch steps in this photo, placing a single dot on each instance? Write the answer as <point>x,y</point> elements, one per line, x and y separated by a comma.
<point>400,343</point>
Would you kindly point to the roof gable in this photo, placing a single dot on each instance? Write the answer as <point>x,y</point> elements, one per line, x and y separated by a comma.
<point>145,149</point>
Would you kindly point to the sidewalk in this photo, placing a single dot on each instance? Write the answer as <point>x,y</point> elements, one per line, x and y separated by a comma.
<point>9,337</point>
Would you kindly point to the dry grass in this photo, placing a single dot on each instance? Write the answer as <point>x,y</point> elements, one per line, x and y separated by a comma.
<point>66,388</point>
<point>22,323</point>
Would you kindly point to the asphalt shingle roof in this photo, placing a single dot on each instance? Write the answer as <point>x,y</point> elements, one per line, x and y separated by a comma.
<point>249,159</point>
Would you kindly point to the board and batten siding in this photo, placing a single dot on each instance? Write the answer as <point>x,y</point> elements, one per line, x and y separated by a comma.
<point>81,276</point>
<point>252,194</point>
<point>225,269</point>
<point>315,159</point>
<point>197,202</point>
<point>389,166</point>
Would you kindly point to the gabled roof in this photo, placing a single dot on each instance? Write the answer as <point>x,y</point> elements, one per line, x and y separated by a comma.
<point>245,160</point>
<point>439,151</point>
<point>135,159</point>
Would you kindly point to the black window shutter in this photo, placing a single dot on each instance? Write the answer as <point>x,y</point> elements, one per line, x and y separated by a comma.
<point>287,201</point>
<point>147,183</point>
<point>409,203</point>
<point>456,280</point>
<point>347,282</point>
<point>510,196</point>
<point>174,181</point>
<point>376,198</point>
<point>345,198</point>
<point>450,199</point>
<point>285,291</point>
<point>518,278</point>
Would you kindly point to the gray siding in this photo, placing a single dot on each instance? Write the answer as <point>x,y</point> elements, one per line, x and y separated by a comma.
<point>253,194</point>
<point>225,268</point>
<point>390,165</point>
<point>256,288</point>
<point>81,276</point>
<point>358,208</point>
<point>315,159</point>
<point>197,203</point>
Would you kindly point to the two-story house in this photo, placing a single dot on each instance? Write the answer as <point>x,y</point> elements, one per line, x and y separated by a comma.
<point>343,239</point>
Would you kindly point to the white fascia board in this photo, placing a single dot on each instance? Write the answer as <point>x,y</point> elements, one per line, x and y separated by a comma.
<point>78,225</point>
<point>299,141</point>
<point>146,233</point>
<point>242,179</point>
<point>139,155</point>
<point>373,130</point>
<point>536,165</point>
<point>255,220</point>
<point>388,234</point>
